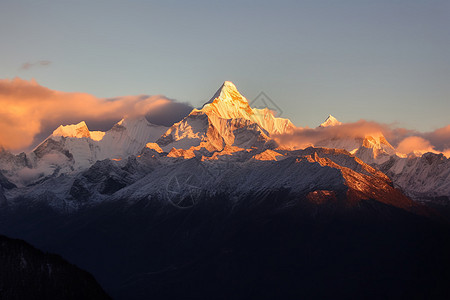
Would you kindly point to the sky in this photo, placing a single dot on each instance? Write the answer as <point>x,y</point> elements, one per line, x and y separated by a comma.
<point>383,61</point>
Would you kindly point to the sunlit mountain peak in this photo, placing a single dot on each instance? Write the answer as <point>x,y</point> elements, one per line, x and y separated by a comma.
<point>226,119</point>
<point>330,121</point>
<point>228,103</point>
<point>75,130</point>
<point>227,92</point>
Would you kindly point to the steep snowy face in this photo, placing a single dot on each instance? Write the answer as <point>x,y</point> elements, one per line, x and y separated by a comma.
<point>426,177</point>
<point>128,137</point>
<point>375,149</point>
<point>228,103</point>
<point>226,119</point>
<point>72,148</point>
<point>233,171</point>
<point>330,121</point>
<point>79,130</point>
<point>363,181</point>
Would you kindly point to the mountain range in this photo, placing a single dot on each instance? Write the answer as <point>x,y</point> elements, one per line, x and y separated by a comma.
<point>226,128</point>
<point>140,204</point>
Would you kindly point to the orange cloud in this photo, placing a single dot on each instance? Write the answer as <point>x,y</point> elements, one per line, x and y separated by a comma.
<point>27,109</point>
<point>419,145</point>
<point>406,141</point>
<point>440,138</point>
<point>304,137</point>
<point>415,144</point>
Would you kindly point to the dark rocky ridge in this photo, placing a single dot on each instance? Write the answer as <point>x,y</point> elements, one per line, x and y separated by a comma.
<point>28,273</point>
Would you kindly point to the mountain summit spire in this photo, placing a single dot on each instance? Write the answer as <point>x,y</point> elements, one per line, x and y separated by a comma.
<point>227,91</point>
<point>76,130</point>
<point>226,119</point>
<point>330,121</point>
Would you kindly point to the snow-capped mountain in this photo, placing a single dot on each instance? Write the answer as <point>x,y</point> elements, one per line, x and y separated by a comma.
<point>375,149</point>
<point>425,178</point>
<point>371,148</point>
<point>225,120</point>
<point>330,121</point>
<point>10,163</point>
<point>128,137</point>
<point>317,173</point>
<point>228,103</point>
<point>421,176</point>
<point>73,148</point>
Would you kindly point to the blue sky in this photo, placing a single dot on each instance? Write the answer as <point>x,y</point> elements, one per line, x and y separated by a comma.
<point>387,61</point>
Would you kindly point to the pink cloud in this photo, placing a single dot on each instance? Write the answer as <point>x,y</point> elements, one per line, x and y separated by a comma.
<point>303,137</point>
<point>440,138</point>
<point>405,140</point>
<point>28,109</point>
<point>415,144</point>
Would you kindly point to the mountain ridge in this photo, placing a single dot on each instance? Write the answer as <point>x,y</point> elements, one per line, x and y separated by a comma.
<point>224,127</point>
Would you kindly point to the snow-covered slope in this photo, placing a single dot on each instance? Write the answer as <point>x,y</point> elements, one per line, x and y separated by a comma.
<point>375,149</point>
<point>317,173</point>
<point>425,178</point>
<point>10,163</point>
<point>73,148</point>
<point>226,119</point>
<point>129,137</point>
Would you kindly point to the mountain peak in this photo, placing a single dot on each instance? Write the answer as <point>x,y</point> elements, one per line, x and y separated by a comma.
<point>226,119</point>
<point>79,130</point>
<point>135,121</point>
<point>227,103</point>
<point>227,92</point>
<point>229,84</point>
<point>330,121</point>
<point>130,120</point>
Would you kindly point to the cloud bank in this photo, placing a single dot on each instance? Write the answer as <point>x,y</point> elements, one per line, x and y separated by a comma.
<point>304,137</point>
<point>404,140</point>
<point>439,138</point>
<point>29,110</point>
<point>415,144</point>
